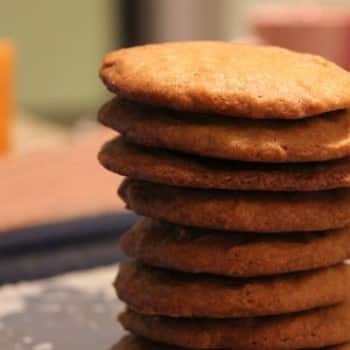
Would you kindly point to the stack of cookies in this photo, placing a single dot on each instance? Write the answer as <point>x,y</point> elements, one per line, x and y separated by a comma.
<point>237,157</point>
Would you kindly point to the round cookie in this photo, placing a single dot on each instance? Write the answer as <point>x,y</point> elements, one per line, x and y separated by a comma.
<point>153,291</point>
<point>176,169</point>
<point>239,210</point>
<point>319,138</point>
<point>227,78</point>
<point>309,329</point>
<point>235,254</point>
<point>130,342</point>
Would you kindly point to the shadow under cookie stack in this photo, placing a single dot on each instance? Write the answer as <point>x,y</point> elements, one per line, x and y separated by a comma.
<point>236,155</point>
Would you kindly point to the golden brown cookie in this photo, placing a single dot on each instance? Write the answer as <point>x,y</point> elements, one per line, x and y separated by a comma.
<point>237,210</point>
<point>154,291</point>
<point>170,168</point>
<point>320,138</point>
<point>227,78</point>
<point>130,342</point>
<point>309,329</point>
<point>233,254</point>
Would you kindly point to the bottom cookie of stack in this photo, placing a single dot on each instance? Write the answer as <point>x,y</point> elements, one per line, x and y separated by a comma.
<point>130,342</point>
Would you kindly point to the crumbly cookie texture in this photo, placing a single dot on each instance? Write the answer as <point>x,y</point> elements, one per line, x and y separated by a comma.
<point>237,80</point>
<point>233,254</point>
<point>154,291</point>
<point>239,210</point>
<point>311,329</point>
<point>323,137</point>
<point>183,170</point>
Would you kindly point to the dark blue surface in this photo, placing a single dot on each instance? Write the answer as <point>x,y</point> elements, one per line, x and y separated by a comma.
<point>66,232</point>
<point>47,250</point>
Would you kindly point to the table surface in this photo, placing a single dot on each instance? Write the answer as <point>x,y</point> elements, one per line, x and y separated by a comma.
<point>74,310</point>
<point>58,184</point>
<point>71,312</point>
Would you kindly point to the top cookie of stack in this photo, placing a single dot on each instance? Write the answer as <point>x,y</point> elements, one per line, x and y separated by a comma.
<point>225,78</point>
<point>239,156</point>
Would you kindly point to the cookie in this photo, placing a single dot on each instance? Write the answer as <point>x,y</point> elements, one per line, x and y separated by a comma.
<point>233,254</point>
<point>237,210</point>
<point>309,329</point>
<point>227,78</point>
<point>154,291</point>
<point>320,138</point>
<point>176,169</point>
<point>130,342</point>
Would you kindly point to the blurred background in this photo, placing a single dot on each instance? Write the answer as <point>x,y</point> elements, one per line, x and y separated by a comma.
<point>59,209</point>
<point>59,45</point>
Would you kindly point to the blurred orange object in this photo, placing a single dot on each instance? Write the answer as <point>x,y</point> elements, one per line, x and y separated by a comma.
<point>7,57</point>
<point>322,30</point>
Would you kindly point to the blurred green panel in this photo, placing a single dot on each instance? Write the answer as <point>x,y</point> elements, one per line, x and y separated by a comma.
<point>60,46</point>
